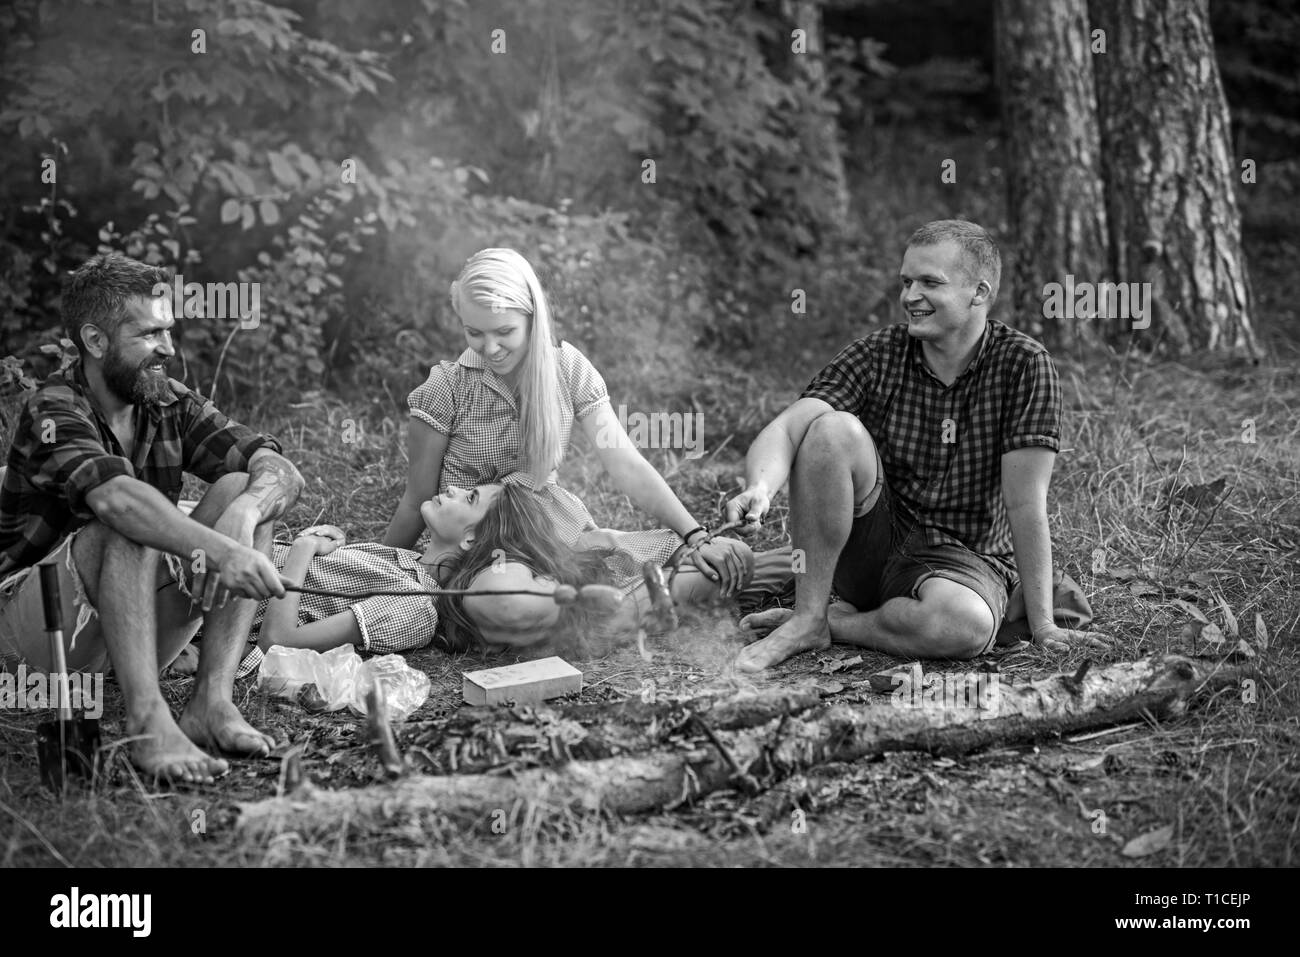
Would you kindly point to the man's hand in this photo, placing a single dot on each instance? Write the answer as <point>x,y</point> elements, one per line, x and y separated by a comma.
<point>1055,638</point>
<point>721,561</point>
<point>242,570</point>
<point>750,505</point>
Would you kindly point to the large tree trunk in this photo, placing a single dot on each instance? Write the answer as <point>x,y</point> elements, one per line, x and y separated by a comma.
<point>741,753</point>
<point>1052,157</point>
<point>1170,174</point>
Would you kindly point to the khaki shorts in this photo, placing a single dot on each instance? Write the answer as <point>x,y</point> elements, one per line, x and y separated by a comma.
<point>23,638</point>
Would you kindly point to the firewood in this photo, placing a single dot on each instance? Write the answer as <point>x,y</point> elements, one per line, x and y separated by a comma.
<point>784,745</point>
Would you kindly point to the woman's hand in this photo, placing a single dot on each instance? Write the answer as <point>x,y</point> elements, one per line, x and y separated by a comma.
<point>327,537</point>
<point>723,562</point>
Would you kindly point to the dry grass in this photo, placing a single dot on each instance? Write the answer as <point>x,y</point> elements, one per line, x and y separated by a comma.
<point>1225,775</point>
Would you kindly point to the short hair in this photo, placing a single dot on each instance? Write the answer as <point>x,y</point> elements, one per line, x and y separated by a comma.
<point>980,258</point>
<point>97,292</point>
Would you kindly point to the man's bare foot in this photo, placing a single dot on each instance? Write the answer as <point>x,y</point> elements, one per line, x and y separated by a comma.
<point>220,726</point>
<point>162,750</point>
<point>797,635</point>
<point>763,623</point>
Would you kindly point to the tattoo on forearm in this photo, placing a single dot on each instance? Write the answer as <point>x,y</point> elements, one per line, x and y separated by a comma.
<point>274,484</point>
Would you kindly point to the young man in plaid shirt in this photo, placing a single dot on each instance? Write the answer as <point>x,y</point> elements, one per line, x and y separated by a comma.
<point>918,463</point>
<point>93,478</point>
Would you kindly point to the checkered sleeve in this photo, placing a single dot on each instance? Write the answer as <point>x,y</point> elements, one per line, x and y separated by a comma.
<point>66,456</point>
<point>586,385</point>
<point>1033,410</point>
<point>394,623</point>
<point>847,381</point>
<point>213,445</point>
<point>433,402</point>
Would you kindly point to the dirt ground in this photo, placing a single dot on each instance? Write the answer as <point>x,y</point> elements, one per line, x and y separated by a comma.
<point>1080,800</point>
<point>1216,786</point>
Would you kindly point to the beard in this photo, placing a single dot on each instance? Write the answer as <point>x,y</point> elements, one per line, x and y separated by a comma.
<point>139,385</point>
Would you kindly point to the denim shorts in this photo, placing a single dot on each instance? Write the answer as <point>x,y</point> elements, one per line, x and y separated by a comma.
<point>887,557</point>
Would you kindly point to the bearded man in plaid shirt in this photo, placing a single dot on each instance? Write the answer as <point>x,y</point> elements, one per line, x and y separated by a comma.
<point>92,485</point>
<point>918,463</point>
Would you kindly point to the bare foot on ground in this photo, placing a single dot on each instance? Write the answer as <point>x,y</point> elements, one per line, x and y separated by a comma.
<point>220,726</point>
<point>162,750</point>
<point>763,623</point>
<point>796,635</point>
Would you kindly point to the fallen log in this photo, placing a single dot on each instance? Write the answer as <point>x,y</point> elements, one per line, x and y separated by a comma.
<point>477,740</point>
<point>926,719</point>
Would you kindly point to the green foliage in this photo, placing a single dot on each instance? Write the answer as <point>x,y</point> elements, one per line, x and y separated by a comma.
<point>223,154</point>
<point>196,142</point>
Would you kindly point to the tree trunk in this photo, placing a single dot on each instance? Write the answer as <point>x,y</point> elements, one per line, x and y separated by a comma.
<point>758,756</point>
<point>826,150</point>
<point>1053,163</point>
<point>1170,175</point>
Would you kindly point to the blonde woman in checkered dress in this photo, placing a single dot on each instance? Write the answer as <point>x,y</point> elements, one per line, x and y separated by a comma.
<point>504,412</point>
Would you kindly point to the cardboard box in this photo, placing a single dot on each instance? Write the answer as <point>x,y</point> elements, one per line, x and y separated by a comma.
<point>528,682</point>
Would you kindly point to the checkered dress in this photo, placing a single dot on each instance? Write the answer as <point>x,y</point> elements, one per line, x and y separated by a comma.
<point>478,412</point>
<point>388,623</point>
<point>942,446</point>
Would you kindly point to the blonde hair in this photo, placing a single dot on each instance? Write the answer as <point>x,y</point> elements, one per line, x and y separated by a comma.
<point>502,279</point>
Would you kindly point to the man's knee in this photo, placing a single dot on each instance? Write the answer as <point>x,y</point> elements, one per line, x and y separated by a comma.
<point>218,498</point>
<point>97,545</point>
<point>226,489</point>
<point>98,550</point>
<point>839,430</point>
<point>957,622</point>
<point>840,439</point>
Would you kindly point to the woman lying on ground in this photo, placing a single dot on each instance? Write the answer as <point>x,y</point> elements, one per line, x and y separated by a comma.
<point>488,538</point>
<point>518,547</point>
<point>505,410</point>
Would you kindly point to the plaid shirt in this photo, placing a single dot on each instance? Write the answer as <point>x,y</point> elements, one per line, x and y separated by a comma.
<point>477,411</point>
<point>63,448</point>
<point>942,446</point>
<point>388,623</point>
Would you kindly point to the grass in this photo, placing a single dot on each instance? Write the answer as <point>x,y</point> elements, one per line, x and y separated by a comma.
<point>1226,775</point>
<point>1132,520</point>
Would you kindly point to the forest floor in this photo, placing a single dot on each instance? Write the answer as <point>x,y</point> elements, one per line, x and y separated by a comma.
<point>1178,496</point>
<point>1148,443</point>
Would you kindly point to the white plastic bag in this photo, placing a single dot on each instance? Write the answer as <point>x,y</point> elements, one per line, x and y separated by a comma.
<point>339,679</point>
<point>405,687</point>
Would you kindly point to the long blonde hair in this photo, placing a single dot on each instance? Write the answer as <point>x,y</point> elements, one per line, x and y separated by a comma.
<point>503,279</point>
